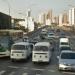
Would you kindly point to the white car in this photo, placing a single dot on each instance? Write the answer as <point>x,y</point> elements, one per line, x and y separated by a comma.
<point>67,60</point>
<point>64,42</point>
<point>64,48</point>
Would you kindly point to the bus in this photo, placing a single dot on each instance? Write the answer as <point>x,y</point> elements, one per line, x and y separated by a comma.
<point>41,52</point>
<point>7,38</point>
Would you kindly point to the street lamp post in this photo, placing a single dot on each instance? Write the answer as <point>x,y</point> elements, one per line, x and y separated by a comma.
<point>27,25</point>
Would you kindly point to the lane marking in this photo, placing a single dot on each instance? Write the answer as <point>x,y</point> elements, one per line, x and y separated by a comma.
<point>1,72</point>
<point>37,69</point>
<point>52,70</point>
<point>25,74</point>
<point>13,67</point>
<point>69,72</point>
<point>12,73</point>
<point>38,74</point>
<point>25,67</point>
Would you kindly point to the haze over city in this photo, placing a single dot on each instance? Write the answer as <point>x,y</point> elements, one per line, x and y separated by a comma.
<point>36,6</point>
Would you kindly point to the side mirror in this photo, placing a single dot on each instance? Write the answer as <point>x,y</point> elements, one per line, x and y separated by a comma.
<point>57,57</point>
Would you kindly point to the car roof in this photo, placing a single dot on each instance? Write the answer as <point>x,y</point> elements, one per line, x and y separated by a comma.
<point>22,43</point>
<point>67,51</point>
<point>42,44</point>
<point>64,39</point>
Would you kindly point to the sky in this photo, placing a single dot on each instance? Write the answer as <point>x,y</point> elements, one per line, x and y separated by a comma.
<point>18,8</point>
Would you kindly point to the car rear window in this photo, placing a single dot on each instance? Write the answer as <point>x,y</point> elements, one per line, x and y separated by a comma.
<point>64,43</point>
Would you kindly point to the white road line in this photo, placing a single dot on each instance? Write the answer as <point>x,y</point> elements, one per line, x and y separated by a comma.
<point>1,72</point>
<point>37,69</point>
<point>13,67</point>
<point>25,67</point>
<point>25,74</point>
<point>52,70</point>
<point>69,72</point>
<point>38,74</point>
<point>12,73</point>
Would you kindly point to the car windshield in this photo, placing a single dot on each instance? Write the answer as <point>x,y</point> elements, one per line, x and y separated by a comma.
<point>41,48</point>
<point>50,34</point>
<point>68,56</point>
<point>19,47</point>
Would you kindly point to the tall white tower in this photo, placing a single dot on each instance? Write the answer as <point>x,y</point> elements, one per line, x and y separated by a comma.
<point>72,16</point>
<point>60,19</point>
<point>29,22</point>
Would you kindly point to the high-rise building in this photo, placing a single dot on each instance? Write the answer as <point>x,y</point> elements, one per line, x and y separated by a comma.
<point>72,16</point>
<point>42,18</point>
<point>65,18</point>
<point>56,20</point>
<point>29,23</point>
<point>60,19</point>
<point>49,17</point>
<point>29,13</point>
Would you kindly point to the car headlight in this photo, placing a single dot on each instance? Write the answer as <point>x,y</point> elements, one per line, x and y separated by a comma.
<point>22,54</point>
<point>34,56</point>
<point>45,56</point>
<point>62,65</point>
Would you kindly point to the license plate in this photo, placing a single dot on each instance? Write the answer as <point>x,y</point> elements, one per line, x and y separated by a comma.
<point>40,60</point>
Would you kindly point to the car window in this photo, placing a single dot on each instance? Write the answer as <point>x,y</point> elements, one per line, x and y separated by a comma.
<point>68,56</point>
<point>65,48</point>
<point>64,43</point>
<point>39,48</point>
<point>19,47</point>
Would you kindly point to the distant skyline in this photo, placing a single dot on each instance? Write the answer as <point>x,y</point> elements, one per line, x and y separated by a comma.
<point>36,6</point>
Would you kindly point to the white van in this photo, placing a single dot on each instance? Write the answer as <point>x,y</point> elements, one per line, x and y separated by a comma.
<point>41,52</point>
<point>63,42</point>
<point>21,50</point>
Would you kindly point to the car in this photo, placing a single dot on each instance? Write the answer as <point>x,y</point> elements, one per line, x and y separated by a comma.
<point>58,30</point>
<point>64,42</point>
<point>51,35</point>
<point>26,39</point>
<point>33,41</point>
<point>64,48</point>
<point>66,60</point>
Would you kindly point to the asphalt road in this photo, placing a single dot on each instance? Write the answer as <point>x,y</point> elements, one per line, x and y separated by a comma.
<point>28,68</point>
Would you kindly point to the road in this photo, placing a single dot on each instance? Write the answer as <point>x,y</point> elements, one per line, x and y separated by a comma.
<point>28,68</point>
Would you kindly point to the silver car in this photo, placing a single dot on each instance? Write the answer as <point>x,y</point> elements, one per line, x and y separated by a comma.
<point>67,60</point>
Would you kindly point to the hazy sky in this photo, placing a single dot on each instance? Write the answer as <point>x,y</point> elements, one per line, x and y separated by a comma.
<point>36,6</point>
